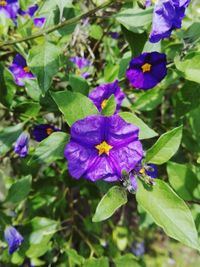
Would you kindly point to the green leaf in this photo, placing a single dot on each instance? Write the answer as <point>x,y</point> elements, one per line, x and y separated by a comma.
<point>165,147</point>
<point>135,20</point>
<point>19,190</point>
<point>8,136</point>
<point>111,201</point>
<point>149,100</point>
<point>190,67</point>
<point>74,106</point>
<point>44,61</point>
<point>7,87</point>
<point>145,132</point>
<point>74,257</point>
<point>136,41</point>
<point>110,107</point>
<point>101,262</point>
<point>127,260</point>
<point>78,84</point>
<point>50,149</point>
<point>182,179</point>
<point>96,31</point>
<point>169,211</point>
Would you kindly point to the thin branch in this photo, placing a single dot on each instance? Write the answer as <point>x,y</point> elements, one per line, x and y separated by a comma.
<point>58,26</point>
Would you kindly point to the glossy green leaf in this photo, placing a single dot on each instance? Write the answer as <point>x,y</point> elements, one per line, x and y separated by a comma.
<point>79,84</point>
<point>145,132</point>
<point>50,149</point>
<point>136,20</point>
<point>74,106</point>
<point>183,180</point>
<point>111,201</point>
<point>110,107</point>
<point>44,61</point>
<point>165,147</point>
<point>169,211</point>
<point>7,87</point>
<point>19,190</point>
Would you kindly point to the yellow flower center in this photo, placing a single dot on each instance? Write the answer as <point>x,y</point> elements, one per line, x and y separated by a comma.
<point>78,71</point>
<point>49,131</point>
<point>146,67</point>
<point>104,103</point>
<point>104,147</point>
<point>3,2</point>
<point>26,69</point>
<point>142,171</point>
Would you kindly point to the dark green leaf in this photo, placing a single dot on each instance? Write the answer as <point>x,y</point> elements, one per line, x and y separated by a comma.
<point>78,84</point>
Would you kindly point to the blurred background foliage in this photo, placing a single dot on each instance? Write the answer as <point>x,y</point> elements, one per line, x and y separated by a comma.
<point>52,210</point>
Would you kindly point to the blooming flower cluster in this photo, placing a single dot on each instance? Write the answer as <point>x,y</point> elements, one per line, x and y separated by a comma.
<point>11,9</point>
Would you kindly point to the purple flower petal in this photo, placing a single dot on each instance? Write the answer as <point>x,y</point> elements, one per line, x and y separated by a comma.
<point>20,70</point>
<point>101,94</point>
<point>10,9</point>
<point>13,238</point>
<point>101,147</point>
<point>80,62</point>
<point>39,22</point>
<point>21,145</point>
<point>147,70</point>
<point>42,131</point>
<point>168,15</point>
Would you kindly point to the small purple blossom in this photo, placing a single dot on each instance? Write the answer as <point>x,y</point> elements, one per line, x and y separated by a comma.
<point>167,16</point>
<point>20,70</point>
<point>9,8</point>
<point>80,62</point>
<point>38,22</point>
<point>147,3</point>
<point>42,131</point>
<point>138,248</point>
<point>102,148</point>
<point>147,70</point>
<point>21,145</point>
<point>101,94</point>
<point>114,35</point>
<point>13,238</point>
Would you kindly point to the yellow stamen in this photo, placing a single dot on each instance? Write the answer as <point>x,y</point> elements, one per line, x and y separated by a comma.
<point>104,103</point>
<point>146,67</point>
<point>78,71</point>
<point>26,69</point>
<point>49,131</point>
<point>142,170</point>
<point>104,148</point>
<point>3,2</point>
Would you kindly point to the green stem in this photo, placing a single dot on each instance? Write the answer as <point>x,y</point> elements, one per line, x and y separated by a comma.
<point>58,26</point>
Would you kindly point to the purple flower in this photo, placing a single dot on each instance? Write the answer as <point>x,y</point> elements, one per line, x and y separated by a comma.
<point>42,131</point>
<point>101,94</point>
<point>148,170</point>
<point>102,147</point>
<point>81,63</point>
<point>9,8</point>
<point>38,22</point>
<point>167,16</point>
<point>138,248</point>
<point>114,35</point>
<point>147,70</point>
<point>147,3</point>
<point>20,70</point>
<point>13,238</point>
<point>21,145</point>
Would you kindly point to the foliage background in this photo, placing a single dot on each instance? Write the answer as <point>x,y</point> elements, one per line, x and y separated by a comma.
<point>52,210</point>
